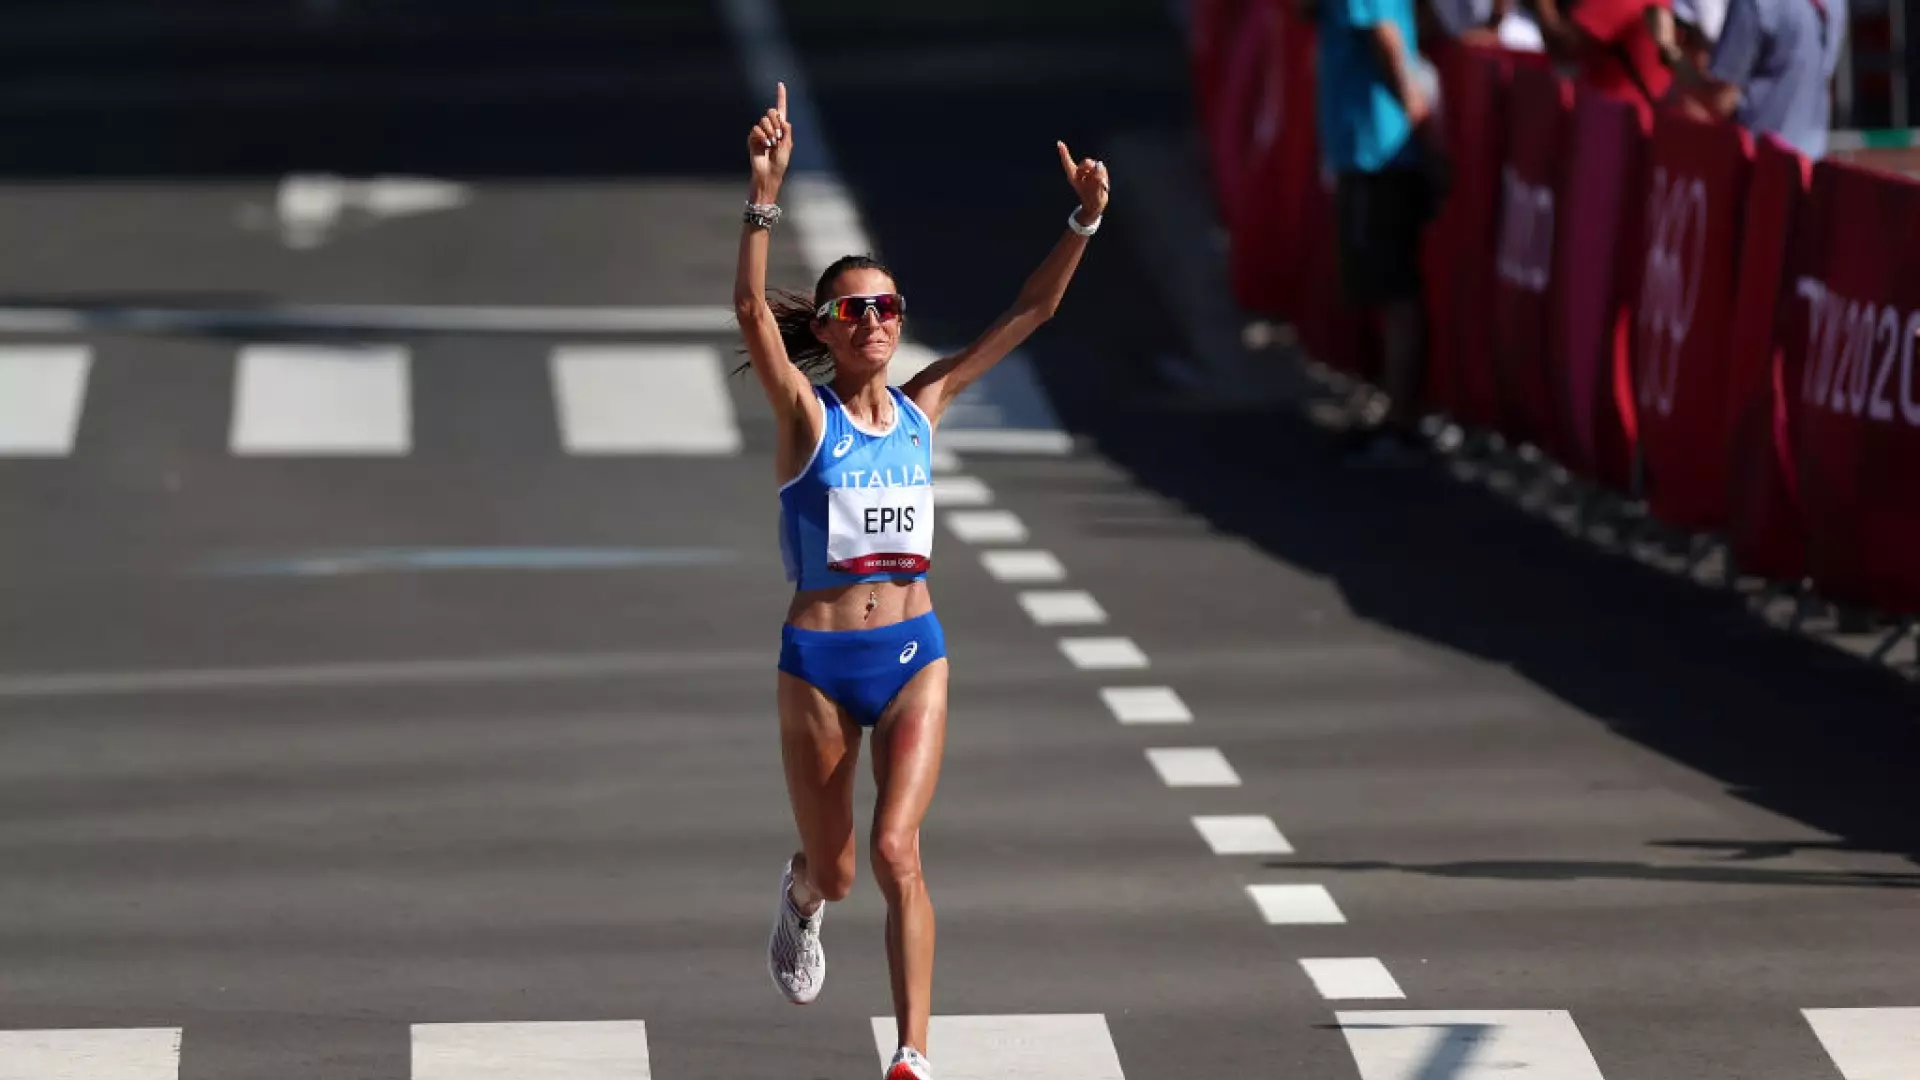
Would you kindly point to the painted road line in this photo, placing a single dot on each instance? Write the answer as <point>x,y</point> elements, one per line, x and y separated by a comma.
<point>322,400</point>
<point>1146,705</point>
<point>961,491</point>
<point>372,319</point>
<point>1192,766</point>
<point>91,1053</point>
<point>1352,978</point>
<point>945,461</point>
<point>1062,607</point>
<point>1103,653</point>
<point>1242,834</point>
<point>1297,905</point>
<point>1539,1044</point>
<point>643,399</point>
<point>1023,567</point>
<point>582,1050</point>
<point>1870,1044</point>
<point>986,526</point>
<point>1055,1046</point>
<point>341,563</point>
<point>42,390</point>
<point>1010,440</point>
<point>656,663</point>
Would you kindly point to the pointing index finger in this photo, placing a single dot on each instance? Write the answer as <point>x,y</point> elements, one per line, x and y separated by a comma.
<point>1066,159</point>
<point>780,100</point>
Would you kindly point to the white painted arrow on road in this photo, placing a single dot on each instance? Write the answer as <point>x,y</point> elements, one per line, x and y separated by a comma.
<point>311,206</point>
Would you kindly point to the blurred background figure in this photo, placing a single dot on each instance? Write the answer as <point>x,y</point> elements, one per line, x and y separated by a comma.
<point>1502,23</point>
<point>1610,45</point>
<point>1770,70</point>
<point>1376,98</point>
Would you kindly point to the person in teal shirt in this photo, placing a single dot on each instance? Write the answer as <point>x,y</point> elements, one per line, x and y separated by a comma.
<point>1374,100</point>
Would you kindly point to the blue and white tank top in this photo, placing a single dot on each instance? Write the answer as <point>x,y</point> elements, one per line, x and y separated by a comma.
<point>862,507</point>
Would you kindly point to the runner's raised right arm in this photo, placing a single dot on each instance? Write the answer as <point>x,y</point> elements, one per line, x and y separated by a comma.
<point>769,149</point>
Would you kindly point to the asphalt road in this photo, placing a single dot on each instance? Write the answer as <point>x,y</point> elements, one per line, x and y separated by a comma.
<point>367,764</point>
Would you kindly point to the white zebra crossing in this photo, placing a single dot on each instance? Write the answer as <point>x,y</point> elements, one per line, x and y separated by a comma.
<point>1393,1044</point>
<point>42,389</point>
<point>316,400</point>
<point>1870,1044</point>
<point>578,1050</point>
<point>1541,1044</point>
<point>641,399</point>
<point>91,1054</point>
<point>308,400</point>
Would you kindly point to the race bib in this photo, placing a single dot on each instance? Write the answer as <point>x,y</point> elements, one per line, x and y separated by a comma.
<point>880,530</point>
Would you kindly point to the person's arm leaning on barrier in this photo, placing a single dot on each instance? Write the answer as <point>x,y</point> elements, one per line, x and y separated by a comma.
<point>1715,90</point>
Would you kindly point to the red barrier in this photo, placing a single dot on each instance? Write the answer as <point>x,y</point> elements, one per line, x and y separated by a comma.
<point>1587,363</point>
<point>1688,256</point>
<point>1537,109</point>
<point>1763,499</point>
<point>1235,98</point>
<point>1209,30</point>
<point>1473,89</point>
<point>1264,225</point>
<point>1859,416</point>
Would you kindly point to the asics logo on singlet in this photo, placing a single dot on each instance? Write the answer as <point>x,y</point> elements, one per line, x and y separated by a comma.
<point>907,653</point>
<point>845,444</point>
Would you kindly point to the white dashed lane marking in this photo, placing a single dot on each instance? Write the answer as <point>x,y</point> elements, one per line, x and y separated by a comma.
<point>1295,905</point>
<point>1201,766</point>
<point>1243,834</point>
<point>1063,607</point>
<point>961,491</point>
<point>987,526</point>
<point>1352,978</point>
<point>1023,567</point>
<point>1103,653</point>
<point>1146,705</point>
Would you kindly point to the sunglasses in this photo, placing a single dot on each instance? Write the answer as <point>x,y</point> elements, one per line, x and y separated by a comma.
<point>889,306</point>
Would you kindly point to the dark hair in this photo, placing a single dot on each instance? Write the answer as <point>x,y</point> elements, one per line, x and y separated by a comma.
<point>793,313</point>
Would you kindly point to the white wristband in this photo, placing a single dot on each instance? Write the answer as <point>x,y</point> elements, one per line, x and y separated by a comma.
<point>1073,222</point>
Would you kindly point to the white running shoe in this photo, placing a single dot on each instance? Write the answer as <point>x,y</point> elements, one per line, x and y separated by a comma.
<point>794,957</point>
<point>909,1064</point>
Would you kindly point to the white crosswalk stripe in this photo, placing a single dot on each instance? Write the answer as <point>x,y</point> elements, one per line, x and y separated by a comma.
<point>1870,1044</point>
<point>317,400</point>
<point>42,390</point>
<point>644,399</point>
<point>1073,1046</point>
<point>363,400</point>
<point>1384,1044</point>
<point>581,1050</point>
<point>1542,1044</point>
<point>91,1054</point>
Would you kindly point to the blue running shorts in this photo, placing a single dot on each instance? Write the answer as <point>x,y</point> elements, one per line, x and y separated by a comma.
<point>862,670</point>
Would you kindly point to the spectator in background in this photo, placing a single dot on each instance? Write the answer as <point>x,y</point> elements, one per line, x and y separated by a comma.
<point>1687,31</point>
<point>1495,23</point>
<point>1610,44</point>
<point>1771,70</point>
<point>1380,142</point>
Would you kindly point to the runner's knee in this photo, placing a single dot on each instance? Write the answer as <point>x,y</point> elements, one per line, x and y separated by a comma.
<point>896,856</point>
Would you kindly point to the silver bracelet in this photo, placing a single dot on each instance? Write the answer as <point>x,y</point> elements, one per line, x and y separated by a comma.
<point>1073,222</point>
<point>762,215</point>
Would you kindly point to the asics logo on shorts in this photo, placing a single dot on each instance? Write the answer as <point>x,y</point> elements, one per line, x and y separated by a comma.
<point>845,444</point>
<point>907,653</point>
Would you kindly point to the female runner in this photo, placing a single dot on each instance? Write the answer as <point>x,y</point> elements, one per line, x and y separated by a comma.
<point>861,646</point>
